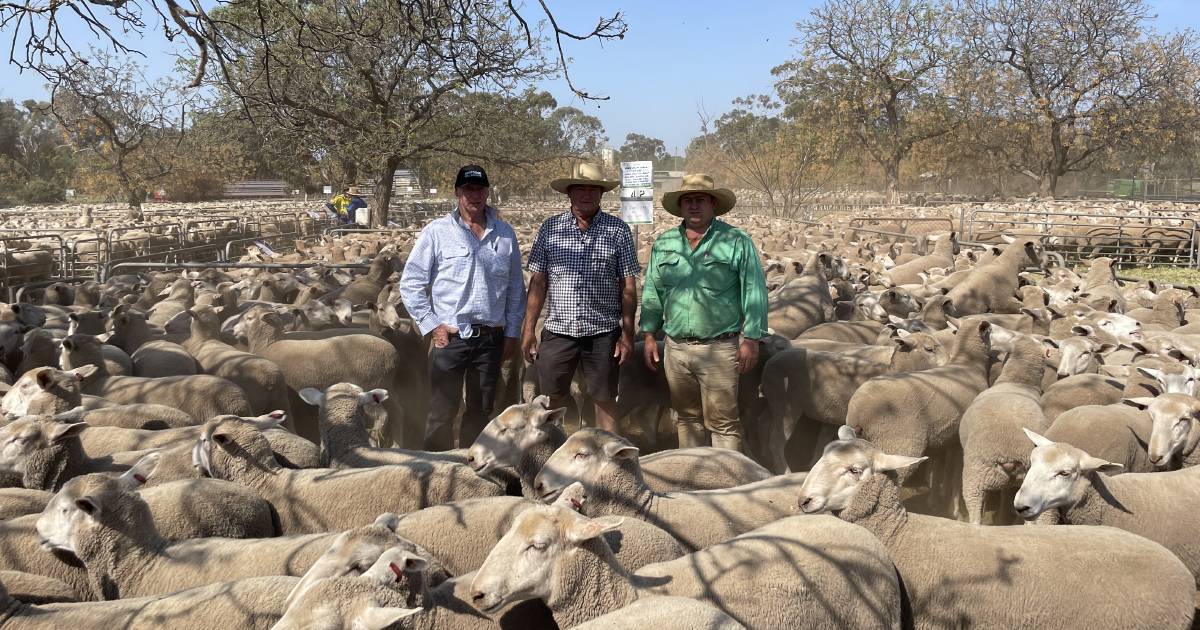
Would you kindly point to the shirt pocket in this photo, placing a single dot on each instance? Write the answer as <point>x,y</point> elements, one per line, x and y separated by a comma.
<point>495,257</point>
<point>454,260</point>
<point>671,270</point>
<point>716,274</point>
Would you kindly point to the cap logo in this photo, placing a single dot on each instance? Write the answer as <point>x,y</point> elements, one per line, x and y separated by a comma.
<point>472,174</point>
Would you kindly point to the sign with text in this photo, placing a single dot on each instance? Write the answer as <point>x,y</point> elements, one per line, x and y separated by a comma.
<point>637,192</point>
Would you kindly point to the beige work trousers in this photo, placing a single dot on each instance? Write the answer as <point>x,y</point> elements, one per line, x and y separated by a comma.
<point>703,380</point>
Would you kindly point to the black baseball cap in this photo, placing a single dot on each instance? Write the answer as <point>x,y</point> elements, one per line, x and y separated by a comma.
<point>471,174</point>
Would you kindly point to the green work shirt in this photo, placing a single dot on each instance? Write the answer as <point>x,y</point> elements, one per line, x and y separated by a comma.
<point>715,289</point>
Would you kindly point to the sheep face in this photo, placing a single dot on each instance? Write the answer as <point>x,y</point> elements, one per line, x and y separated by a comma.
<point>354,551</point>
<point>918,351</point>
<point>1058,476</point>
<point>78,505</point>
<point>1078,355</point>
<point>1173,416</point>
<point>22,438</point>
<point>231,444</point>
<point>521,565</point>
<point>584,457</point>
<point>1125,328</point>
<point>845,464</point>
<point>1181,379</point>
<point>516,430</point>
<point>354,602</point>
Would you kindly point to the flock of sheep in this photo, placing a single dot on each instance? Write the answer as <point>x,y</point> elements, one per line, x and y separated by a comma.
<point>240,449</point>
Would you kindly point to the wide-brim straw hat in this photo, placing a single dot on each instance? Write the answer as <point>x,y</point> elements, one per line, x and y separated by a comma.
<point>354,191</point>
<point>724,198</point>
<point>585,175</point>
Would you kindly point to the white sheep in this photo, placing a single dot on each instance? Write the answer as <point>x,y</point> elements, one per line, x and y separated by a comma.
<point>958,574</point>
<point>607,465</point>
<point>824,572</point>
<point>320,500</point>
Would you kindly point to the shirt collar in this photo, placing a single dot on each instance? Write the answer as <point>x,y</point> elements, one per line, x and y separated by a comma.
<point>488,212</point>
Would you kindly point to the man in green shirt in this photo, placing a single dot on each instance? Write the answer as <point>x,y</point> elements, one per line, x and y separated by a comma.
<point>705,288</point>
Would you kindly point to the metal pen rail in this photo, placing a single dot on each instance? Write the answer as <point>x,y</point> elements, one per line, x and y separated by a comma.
<point>1158,239</point>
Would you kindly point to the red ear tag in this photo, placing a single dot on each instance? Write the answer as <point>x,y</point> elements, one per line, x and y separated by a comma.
<point>395,569</point>
<point>139,478</point>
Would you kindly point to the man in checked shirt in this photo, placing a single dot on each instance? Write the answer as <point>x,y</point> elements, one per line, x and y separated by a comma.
<point>462,284</point>
<point>585,268</point>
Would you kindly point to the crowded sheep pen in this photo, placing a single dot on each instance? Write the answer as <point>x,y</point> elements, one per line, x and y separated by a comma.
<point>191,434</point>
<point>350,315</point>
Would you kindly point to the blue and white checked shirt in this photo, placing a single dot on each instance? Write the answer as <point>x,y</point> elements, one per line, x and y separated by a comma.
<point>584,272</point>
<point>453,278</point>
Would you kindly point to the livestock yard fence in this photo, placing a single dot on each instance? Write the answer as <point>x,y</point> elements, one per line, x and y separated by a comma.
<point>32,258</point>
<point>1147,239</point>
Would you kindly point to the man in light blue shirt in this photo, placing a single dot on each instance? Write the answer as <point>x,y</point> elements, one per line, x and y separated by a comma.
<point>462,284</point>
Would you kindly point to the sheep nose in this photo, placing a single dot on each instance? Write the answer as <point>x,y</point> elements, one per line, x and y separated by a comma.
<point>1021,509</point>
<point>477,595</point>
<point>470,460</point>
<point>540,487</point>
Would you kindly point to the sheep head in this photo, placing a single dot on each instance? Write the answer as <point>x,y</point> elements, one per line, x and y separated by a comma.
<point>513,432</point>
<point>845,465</point>
<point>1057,478</point>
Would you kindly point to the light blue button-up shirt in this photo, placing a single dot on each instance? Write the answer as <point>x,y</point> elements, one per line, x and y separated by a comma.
<point>455,279</point>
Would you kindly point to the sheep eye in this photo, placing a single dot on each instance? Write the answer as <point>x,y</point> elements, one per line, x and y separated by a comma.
<point>582,455</point>
<point>928,348</point>
<point>1063,473</point>
<point>854,470</point>
<point>503,430</point>
<point>537,546</point>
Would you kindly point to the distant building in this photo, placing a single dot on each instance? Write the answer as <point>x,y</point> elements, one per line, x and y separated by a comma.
<point>667,181</point>
<point>256,189</point>
<point>608,155</point>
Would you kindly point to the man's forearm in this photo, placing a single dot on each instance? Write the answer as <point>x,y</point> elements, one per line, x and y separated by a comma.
<point>535,299</point>
<point>628,305</point>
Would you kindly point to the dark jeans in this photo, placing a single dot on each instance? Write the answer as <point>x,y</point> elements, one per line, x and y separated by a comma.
<point>475,360</point>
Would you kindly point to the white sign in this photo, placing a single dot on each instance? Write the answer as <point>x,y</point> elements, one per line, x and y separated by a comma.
<point>362,216</point>
<point>70,193</point>
<point>433,191</point>
<point>637,192</point>
<point>328,190</point>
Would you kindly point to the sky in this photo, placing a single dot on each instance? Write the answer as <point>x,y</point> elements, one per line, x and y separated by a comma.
<point>678,58</point>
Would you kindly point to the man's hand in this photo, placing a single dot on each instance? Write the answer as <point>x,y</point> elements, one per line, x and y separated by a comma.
<point>510,348</point>
<point>747,355</point>
<point>624,349</point>
<point>441,335</point>
<point>529,345</point>
<point>650,352</point>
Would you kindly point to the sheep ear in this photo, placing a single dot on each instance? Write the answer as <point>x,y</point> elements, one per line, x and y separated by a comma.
<point>312,396</point>
<point>846,432</point>
<point>44,379</point>
<point>1038,440</point>
<point>105,337</point>
<point>588,528</point>
<point>1082,331</point>
<point>268,420</point>
<point>1140,402</point>
<point>554,416</point>
<point>88,505</point>
<point>391,566</point>
<point>378,617</point>
<point>542,400</point>
<point>373,397</point>
<point>136,476</point>
<point>71,415</point>
<point>83,371</point>
<point>59,432</point>
<point>883,461</point>
<point>1087,463</point>
<point>390,520</point>
<point>620,450</point>
<point>1150,373</point>
<point>572,497</point>
<point>1049,343</point>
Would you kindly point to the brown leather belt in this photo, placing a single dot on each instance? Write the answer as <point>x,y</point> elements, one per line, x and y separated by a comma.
<point>483,330</point>
<point>728,335</point>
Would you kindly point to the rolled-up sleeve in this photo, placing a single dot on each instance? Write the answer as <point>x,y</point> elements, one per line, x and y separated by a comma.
<point>652,308</point>
<point>754,292</point>
<point>514,311</point>
<point>415,281</point>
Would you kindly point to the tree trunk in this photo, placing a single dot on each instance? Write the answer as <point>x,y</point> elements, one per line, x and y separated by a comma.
<point>383,192</point>
<point>892,170</point>
<point>1047,184</point>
